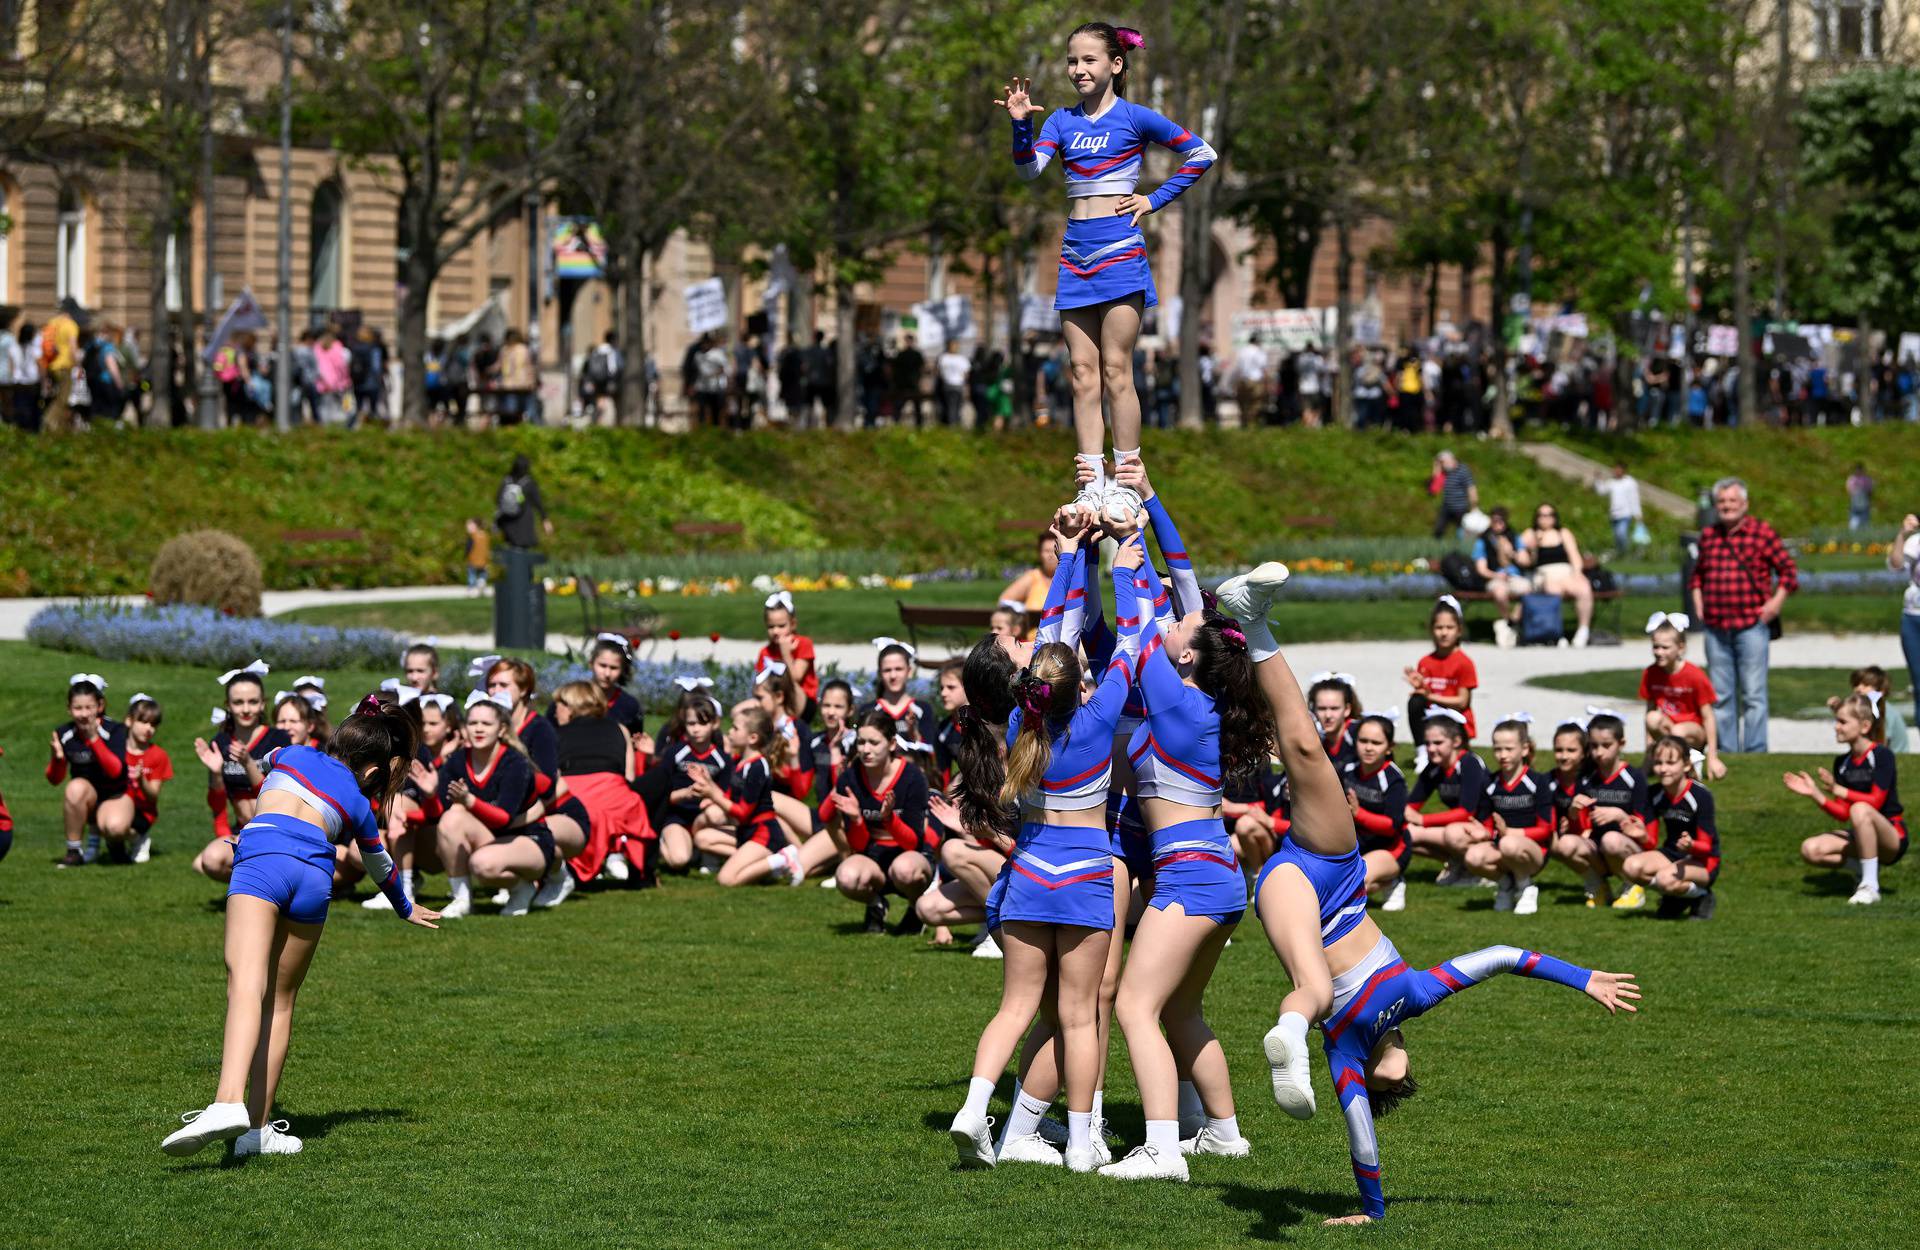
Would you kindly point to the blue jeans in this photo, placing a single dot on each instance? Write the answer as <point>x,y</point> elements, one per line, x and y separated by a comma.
<point>1858,518</point>
<point>1737,665</point>
<point>1622,533</point>
<point>1910,644</point>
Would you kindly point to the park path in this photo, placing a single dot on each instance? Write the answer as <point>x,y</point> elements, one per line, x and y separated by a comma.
<point>1578,468</point>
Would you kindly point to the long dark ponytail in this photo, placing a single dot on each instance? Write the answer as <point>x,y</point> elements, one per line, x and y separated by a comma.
<point>979,768</point>
<point>1223,669</point>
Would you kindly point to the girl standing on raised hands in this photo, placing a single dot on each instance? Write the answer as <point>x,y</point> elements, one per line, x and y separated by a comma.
<point>1863,791</point>
<point>277,905</point>
<point>1105,283</point>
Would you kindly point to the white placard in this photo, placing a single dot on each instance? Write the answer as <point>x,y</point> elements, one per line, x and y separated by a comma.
<point>706,306</point>
<point>1723,341</point>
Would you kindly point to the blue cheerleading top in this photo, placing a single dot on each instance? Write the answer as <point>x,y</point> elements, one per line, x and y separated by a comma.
<point>1103,155</point>
<point>326,785</point>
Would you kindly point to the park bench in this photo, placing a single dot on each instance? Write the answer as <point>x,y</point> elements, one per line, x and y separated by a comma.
<point>309,540</point>
<point>701,531</point>
<point>1606,606</point>
<point>597,616</point>
<point>960,621</point>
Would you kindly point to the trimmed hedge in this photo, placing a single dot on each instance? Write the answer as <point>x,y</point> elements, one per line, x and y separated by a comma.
<point>85,515</point>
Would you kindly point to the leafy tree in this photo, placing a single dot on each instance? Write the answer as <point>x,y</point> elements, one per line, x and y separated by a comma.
<point>1861,136</point>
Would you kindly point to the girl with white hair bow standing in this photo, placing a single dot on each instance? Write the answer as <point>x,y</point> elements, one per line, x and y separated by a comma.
<point>786,645</point>
<point>1679,695</point>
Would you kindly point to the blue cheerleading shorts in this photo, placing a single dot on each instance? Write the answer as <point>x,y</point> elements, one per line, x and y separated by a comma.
<point>1103,259</point>
<point>287,862</point>
<point>1060,874</point>
<point>997,894</point>
<point>1339,881</point>
<point>1130,844</point>
<point>1194,866</point>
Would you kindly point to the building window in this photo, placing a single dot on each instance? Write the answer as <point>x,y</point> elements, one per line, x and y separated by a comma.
<point>1847,30</point>
<point>70,247</point>
<point>323,256</point>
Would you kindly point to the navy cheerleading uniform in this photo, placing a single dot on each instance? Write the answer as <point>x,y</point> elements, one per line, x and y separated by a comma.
<point>1103,259</point>
<point>288,861</point>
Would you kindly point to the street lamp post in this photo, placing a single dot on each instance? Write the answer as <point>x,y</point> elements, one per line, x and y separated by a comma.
<point>283,359</point>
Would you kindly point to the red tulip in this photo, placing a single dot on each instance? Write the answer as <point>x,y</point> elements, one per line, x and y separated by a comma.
<point>674,634</point>
<point>714,637</point>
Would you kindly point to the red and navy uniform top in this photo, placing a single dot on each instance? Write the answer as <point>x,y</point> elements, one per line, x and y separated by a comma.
<point>100,761</point>
<point>501,790</point>
<point>1256,789</point>
<point>825,774</point>
<point>1688,814</point>
<point>1526,804</point>
<point>1340,747</point>
<point>1622,788</point>
<point>946,741</point>
<point>1867,778</point>
<point>905,827</point>
<point>542,741</point>
<point>1381,820</point>
<point>674,764</point>
<point>1461,786</point>
<point>152,764</point>
<point>426,803</point>
<point>263,741</point>
<point>912,718</point>
<point>796,776</point>
<point>749,789</point>
<point>1566,817</point>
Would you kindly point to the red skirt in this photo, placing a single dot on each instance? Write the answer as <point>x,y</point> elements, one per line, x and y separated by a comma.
<point>615,814</point>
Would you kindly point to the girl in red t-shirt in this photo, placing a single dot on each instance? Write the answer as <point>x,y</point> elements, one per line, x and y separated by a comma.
<point>1678,695</point>
<point>1446,677</point>
<point>785,645</point>
<point>148,768</point>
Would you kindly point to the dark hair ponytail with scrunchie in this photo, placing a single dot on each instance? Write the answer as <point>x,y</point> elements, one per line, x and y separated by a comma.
<point>379,735</point>
<point>1223,669</point>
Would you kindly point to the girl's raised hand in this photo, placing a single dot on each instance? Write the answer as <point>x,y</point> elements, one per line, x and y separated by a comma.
<point>845,803</point>
<point>55,739</point>
<point>1826,779</point>
<point>1129,556</point>
<point>1018,102</point>
<point>420,775</point>
<point>1616,991</point>
<point>201,747</point>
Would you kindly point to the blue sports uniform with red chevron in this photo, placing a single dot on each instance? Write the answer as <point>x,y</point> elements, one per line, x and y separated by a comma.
<point>1377,997</point>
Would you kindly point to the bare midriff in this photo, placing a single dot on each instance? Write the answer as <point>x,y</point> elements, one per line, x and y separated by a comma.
<point>1087,207</point>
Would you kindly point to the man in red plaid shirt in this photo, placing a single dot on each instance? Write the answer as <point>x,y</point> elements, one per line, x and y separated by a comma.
<point>1739,584</point>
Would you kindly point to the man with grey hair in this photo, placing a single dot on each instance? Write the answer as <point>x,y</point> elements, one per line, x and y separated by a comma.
<point>1458,494</point>
<point>1739,584</point>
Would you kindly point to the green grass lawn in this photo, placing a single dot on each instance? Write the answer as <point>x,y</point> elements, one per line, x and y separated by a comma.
<point>693,1067</point>
<point>1801,692</point>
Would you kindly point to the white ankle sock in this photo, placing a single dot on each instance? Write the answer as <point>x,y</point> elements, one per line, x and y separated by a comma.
<point>1164,1135</point>
<point>1098,462</point>
<point>1694,891</point>
<point>1099,1097</point>
<point>73,844</point>
<point>1080,1130</point>
<point>1226,1128</point>
<point>1870,872</point>
<point>1191,1108</point>
<point>1296,1026</point>
<point>979,1090</point>
<point>457,886</point>
<point>1025,1117</point>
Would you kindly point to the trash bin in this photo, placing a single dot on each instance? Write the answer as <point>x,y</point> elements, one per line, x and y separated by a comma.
<point>519,601</point>
<point>1689,556</point>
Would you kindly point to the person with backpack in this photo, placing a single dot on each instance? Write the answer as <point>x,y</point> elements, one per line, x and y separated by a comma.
<point>600,379</point>
<point>106,379</point>
<point>515,504</point>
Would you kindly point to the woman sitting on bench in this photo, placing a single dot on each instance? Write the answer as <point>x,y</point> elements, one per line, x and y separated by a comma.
<point>1550,553</point>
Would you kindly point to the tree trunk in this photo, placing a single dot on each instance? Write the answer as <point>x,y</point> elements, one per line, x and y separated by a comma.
<point>1746,393</point>
<point>844,405</point>
<point>1863,380</point>
<point>1196,260</point>
<point>1015,286</point>
<point>159,364</point>
<point>1502,416</point>
<point>1433,299</point>
<point>413,336</point>
<point>1340,371</point>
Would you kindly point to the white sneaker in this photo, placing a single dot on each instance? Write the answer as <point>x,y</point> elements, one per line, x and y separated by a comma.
<point>1120,504</point>
<point>828,884</point>
<point>379,902</point>
<point>460,905</point>
<point>143,848</point>
<point>1580,636</point>
<point>1249,596</point>
<point>616,868</point>
<point>973,1138</point>
<point>519,897</point>
<point>1030,1149</point>
<point>1093,495</point>
<point>1085,1159</point>
<point>1292,1080</point>
<point>1455,875</point>
<point>1144,1163</point>
<point>1207,1142</point>
<point>1865,896</point>
<point>1503,901</point>
<point>269,1139</point>
<point>779,867</point>
<point>1419,760</point>
<point>1102,1149</point>
<point>987,948</point>
<point>556,889</point>
<point>1396,897</point>
<point>1052,1132</point>
<point>1503,634</point>
<point>217,1122</point>
<point>1529,901</point>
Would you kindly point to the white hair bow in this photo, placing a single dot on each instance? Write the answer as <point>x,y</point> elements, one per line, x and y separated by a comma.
<point>503,701</point>
<point>1696,757</point>
<point>1451,602</point>
<point>477,670</point>
<point>618,640</point>
<point>219,716</point>
<point>258,669</point>
<point>92,679</point>
<point>1345,679</point>
<point>318,683</point>
<point>317,700</point>
<point>1014,605</point>
<point>404,695</point>
<point>909,744</point>
<point>1679,620</point>
<point>772,668</point>
<point>1521,718</point>
<point>283,694</point>
<point>143,697</point>
<point>1391,715</point>
<point>1447,712</point>
<point>436,700</point>
<point>391,685</point>
<point>1873,698</point>
<point>882,645</point>
<point>691,684</point>
<point>1594,712</point>
<point>780,599</point>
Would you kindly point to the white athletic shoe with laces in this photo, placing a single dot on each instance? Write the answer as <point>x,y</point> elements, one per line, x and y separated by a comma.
<point>217,1122</point>
<point>1528,902</point>
<point>1503,901</point>
<point>271,1138</point>
<point>1865,896</point>
<point>1093,495</point>
<point>556,889</point>
<point>1030,1149</point>
<point>519,898</point>
<point>1145,1163</point>
<point>1249,596</point>
<point>143,848</point>
<point>1120,504</point>
<point>987,948</point>
<point>1102,1148</point>
<point>1292,1077</point>
<point>1396,897</point>
<point>460,905</point>
<point>1085,1159</point>
<point>973,1138</point>
<point>1052,1132</point>
<point>1208,1142</point>
<point>616,868</point>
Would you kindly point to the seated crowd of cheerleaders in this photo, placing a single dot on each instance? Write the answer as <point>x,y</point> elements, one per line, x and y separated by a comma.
<point>529,802</point>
